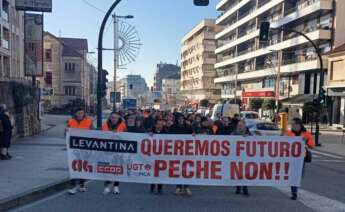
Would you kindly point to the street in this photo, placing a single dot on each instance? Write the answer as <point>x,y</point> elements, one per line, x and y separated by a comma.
<point>322,189</point>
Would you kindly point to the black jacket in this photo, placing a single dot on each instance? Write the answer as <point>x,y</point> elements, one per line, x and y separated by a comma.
<point>176,129</point>
<point>6,134</point>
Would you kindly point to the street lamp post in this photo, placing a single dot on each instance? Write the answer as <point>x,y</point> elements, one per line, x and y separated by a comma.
<point>116,52</point>
<point>100,63</point>
<point>317,50</point>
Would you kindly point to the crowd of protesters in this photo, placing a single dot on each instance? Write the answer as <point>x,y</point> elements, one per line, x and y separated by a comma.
<point>159,122</point>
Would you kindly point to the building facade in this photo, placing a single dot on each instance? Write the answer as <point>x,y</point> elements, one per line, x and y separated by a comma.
<point>66,71</point>
<point>171,91</point>
<point>249,68</point>
<point>197,62</point>
<point>11,42</point>
<point>336,85</point>
<point>164,70</point>
<point>133,86</point>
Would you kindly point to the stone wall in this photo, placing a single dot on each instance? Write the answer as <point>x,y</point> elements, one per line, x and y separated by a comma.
<point>22,101</point>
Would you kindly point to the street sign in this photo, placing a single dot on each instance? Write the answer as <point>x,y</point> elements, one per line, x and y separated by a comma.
<point>34,5</point>
<point>115,97</point>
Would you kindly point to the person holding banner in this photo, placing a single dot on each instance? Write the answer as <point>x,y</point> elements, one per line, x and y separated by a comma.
<point>298,129</point>
<point>180,127</point>
<point>115,123</point>
<point>79,121</point>
<point>242,129</point>
<point>158,128</point>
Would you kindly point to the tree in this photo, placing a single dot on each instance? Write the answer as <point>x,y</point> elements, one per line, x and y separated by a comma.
<point>268,104</point>
<point>255,104</point>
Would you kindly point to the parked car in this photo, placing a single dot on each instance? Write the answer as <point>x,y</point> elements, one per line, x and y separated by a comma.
<point>249,116</point>
<point>264,128</point>
<point>225,110</point>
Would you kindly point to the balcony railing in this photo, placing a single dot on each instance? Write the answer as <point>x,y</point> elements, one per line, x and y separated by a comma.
<point>250,11</point>
<point>300,5</point>
<point>300,59</point>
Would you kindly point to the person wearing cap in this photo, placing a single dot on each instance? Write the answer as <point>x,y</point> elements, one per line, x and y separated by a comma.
<point>5,133</point>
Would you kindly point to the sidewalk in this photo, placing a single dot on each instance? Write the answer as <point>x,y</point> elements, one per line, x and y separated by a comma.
<point>38,167</point>
<point>331,141</point>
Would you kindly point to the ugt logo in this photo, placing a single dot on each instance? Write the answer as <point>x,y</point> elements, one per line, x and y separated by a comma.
<point>81,166</point>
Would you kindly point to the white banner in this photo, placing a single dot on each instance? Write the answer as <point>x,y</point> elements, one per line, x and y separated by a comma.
<point>185,159</point>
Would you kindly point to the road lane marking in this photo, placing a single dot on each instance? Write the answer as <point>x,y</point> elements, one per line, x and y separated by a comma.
<point>316,202</point>
<point>326,154</point>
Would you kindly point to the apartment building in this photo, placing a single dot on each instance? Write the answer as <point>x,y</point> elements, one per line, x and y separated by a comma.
<point>11,42</point>
<point>171,91</point>
<point>66,71</point>
<point>197,62</point>
<point>247,68</point>
<point>134,86</point>
<point>336,85</point>
<point>164,70</point>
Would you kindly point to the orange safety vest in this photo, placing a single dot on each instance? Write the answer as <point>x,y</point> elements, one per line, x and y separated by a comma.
<point>214,129</point>
<point>121,128</point>
<point>86,123</point>
<point>307,136</point>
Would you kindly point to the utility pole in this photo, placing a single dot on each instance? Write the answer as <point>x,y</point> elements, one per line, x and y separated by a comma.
<point>116,44</point>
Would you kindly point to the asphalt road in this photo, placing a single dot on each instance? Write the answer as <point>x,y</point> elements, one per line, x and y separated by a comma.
<point>323,190</point>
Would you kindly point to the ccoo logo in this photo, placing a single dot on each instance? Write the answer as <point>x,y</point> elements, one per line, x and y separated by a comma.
<point>81,166</point>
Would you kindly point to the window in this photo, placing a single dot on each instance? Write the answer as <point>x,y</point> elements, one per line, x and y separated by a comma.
<point>337,70</point>
<point>49,78</point>
<point>70,67</point>
<point>268,83</point>
<point>70,91</point>
<point>48,55</point>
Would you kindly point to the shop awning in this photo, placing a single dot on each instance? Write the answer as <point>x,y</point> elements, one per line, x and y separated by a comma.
<point>298,100</point>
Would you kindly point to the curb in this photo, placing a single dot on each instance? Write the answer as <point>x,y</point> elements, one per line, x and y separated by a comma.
<point>33,195</point>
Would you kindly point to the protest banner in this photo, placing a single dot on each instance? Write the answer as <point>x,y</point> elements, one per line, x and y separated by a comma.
<point>185,159</point>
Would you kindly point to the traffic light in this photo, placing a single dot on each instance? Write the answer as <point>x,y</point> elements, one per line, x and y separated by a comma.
<point>201,2</point>
<point>316,103</point>
<point>264,31</point>
<point>322,97</point>
<point>104,83</point>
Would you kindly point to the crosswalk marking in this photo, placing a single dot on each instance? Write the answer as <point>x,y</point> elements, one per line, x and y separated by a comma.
<point>333,161</point>
<point>317,202</point>
<point>326,154</point>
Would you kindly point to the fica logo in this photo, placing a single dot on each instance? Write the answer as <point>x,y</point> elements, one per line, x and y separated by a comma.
<point>81,166</point>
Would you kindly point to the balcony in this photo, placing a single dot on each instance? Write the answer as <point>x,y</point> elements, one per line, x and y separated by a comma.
<point>221,5</point>
<point>292,66</point>
<point>235,42</point>
<point>247,18</point>
<point>316,35</point>
<point>230,11</point>
<point>303,10</point>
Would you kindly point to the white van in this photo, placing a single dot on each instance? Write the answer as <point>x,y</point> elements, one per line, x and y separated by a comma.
<point>225,110</point>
